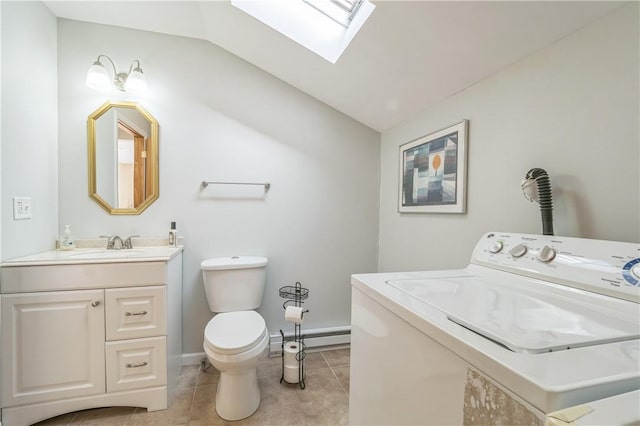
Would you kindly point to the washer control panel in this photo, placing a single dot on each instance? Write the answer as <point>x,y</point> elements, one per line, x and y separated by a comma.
<point>605,267</point>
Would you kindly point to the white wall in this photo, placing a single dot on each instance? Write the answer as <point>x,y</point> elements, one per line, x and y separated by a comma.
<point>1,199</point>
<point>572,109</point>
<point>224,119</point>
<point>29,127</point>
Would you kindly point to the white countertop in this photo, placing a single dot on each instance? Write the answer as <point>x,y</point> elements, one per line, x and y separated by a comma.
<point>94,255</point>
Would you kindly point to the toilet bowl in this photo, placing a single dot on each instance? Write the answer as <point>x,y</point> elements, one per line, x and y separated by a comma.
<point>234,341</point>
<point>237,336</point>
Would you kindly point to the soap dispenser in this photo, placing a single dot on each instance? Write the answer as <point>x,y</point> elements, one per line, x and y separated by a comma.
<point>67,241</point>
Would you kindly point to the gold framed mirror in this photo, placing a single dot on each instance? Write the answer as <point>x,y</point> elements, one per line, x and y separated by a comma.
<point>123,157</point>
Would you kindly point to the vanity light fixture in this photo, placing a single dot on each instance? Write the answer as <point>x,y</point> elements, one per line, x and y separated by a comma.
<point>134,81</point>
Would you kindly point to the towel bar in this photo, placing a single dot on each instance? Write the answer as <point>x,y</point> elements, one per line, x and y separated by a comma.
<point>206,183</point>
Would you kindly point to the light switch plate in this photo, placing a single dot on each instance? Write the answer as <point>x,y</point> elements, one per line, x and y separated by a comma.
<point>21,208</point>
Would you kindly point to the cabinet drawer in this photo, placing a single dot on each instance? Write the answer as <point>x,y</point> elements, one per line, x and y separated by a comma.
<point>135,312</point>
<point>134,364</point>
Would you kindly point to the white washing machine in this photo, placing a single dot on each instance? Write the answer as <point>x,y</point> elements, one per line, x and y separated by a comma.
<point>533,325</point>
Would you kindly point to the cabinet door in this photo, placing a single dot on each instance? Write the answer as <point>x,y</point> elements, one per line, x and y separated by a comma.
<point>135,312</point>
<point>52,346</point>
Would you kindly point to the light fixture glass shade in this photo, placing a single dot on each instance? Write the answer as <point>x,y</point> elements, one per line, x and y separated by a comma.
<point>136,82</point>
<point>97,77</point>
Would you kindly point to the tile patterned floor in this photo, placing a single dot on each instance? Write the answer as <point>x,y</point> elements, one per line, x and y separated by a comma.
<point>325,401</point>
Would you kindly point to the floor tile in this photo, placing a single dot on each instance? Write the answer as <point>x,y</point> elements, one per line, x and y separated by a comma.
<point>314,360</point>
<point>342,373</point>
<point>272,392</point>
<point>176,414</point>
<point>187,381</point>
<point>271,413</point>
<point>324,401</point>
<point>204,413</point>
<point>330,410</point>
<point>321,384</point>
<point>205,393</point>
<point>205,422</point>
<point>184,395</point>
<point>64,419</point>
<point>269,367</point>
<point>188,376</point>
<point>104,416</point>
<point>337,358</point>
<point>210,376</point>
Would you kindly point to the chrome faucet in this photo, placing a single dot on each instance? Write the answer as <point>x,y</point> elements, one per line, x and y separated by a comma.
<point>111,242</point>
<point>114,239</point>
<point>128,244</point>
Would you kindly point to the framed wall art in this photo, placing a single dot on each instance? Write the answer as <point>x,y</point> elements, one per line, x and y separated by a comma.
<point>433,171</point>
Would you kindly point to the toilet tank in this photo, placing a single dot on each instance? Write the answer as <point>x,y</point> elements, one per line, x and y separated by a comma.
<point>234,283</point>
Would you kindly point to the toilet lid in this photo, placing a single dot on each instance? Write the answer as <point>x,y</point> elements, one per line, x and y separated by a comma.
<point>233,262</point>
<point>233,332</point>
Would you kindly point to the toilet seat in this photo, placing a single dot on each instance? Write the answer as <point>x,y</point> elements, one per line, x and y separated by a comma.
<point>234,332</point>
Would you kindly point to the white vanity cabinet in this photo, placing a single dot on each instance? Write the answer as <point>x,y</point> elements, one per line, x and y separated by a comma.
<point>88,334</point>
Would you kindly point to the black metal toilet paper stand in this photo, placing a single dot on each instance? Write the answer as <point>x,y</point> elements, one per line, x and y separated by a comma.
<point>295,295</point>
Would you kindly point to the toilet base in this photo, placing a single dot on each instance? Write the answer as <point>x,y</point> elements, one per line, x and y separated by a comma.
<point>238,394</point>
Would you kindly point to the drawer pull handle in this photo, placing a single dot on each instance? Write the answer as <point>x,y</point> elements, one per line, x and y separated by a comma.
<point>142,364</point>
<point>95,303</point>
<point>128,314</point>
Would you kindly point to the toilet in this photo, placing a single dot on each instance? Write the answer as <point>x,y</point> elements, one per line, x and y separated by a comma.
<point>237,335</point>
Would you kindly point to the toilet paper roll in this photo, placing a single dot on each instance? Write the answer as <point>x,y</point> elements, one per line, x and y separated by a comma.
<point>293,314</point>
<point>291,374</point>
<point>291,349</point>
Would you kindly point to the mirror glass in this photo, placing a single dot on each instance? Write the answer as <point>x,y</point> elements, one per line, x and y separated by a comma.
<point>123,157</point>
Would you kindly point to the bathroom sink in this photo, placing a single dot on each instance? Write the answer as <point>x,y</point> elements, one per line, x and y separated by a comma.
<point>106,254</point>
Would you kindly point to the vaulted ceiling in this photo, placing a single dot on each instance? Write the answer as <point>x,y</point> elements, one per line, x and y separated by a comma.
<point>408,56</point>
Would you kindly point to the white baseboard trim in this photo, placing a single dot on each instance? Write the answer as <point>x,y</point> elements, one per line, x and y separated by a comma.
<point>315,338</point>
<point>193,358</point>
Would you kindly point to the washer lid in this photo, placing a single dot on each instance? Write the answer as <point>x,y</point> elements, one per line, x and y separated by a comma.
<point>233,332</point>
<point>233,262</point>
<point>522,320</point>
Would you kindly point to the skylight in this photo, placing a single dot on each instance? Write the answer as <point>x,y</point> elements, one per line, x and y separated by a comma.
<point>341,11</point>
<point>326,27</point>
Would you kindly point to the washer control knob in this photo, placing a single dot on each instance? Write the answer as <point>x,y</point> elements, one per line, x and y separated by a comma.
<point>547,254</point>
<point>635,271</point>
<point>518,251</point>
<point>495,246</point>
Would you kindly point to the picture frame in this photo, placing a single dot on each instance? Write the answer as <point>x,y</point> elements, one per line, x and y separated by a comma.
<point>433,172</point>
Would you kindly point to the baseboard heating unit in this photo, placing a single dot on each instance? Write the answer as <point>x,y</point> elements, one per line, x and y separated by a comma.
<point>314,338</point>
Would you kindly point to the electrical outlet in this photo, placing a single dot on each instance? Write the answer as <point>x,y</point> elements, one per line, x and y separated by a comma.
<point>21,208</point>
